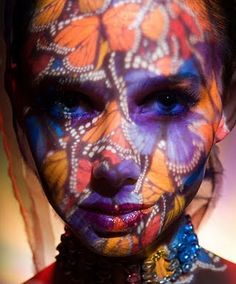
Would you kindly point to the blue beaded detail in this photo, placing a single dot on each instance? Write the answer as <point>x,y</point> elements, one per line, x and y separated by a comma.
<point>182,253</point>
<point>184,249</point>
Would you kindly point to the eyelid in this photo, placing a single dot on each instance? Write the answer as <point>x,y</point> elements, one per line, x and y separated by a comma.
<point>189,85</point>
<point>188,96</point>
<point>87,92</point>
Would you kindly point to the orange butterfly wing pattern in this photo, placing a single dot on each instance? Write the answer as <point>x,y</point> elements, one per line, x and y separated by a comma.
<point>105,125</point>
<point>82,35</point>
<point>47,12</point>
<point>157,179</point>
<point>87,6</point>
<point>56,170</point>
<point>154,24</point>
<point>116,20</point>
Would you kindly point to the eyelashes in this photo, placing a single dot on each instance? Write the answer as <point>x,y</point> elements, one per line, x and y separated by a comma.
<point>61,104</point>
<point>169,103</point>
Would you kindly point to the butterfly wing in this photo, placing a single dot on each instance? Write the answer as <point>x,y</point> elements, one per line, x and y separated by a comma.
<point>47,11</point>
<point>82,37</point>
<point>155,23</point>
<point>55,170</point>
<point>105,125</point>
<point>88,6</point>
<point>117,22</point>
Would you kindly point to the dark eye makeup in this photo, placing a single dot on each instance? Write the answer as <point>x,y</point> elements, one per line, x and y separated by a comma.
<point>168,103</point>
<point>60,103</point>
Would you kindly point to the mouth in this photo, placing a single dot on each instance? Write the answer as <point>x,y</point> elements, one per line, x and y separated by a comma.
<point>114,209</point>
<point>112,220</point>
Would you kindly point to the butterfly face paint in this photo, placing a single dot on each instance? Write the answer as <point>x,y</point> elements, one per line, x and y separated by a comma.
<point>123,111</point>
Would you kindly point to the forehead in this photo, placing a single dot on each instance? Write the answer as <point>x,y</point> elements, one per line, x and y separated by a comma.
<point>78,37</point>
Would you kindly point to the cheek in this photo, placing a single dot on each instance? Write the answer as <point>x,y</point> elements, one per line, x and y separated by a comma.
<point>178,151</point>
<point>65,153</point>
<point>56,152</point>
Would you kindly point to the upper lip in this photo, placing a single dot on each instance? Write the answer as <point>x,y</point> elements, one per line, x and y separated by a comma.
<point>113,209</point>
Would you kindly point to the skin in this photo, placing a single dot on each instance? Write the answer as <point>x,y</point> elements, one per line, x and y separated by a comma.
<point>121,115</point>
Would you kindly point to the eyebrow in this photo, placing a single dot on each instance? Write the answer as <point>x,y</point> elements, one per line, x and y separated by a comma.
<point>187,81</point>
<point>58,79</point>
<point>68,83</point>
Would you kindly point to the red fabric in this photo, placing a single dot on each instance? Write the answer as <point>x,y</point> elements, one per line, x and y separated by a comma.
<point>46,276</point>
<point>231,271</point>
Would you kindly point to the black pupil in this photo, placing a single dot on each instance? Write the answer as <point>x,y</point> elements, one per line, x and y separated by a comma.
<point>167,101</point>
<point>69,101</point>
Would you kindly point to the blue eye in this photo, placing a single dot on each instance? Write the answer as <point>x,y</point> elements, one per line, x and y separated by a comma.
<point>167,103</point>
<point>71,107</point>
<point>61,104</point>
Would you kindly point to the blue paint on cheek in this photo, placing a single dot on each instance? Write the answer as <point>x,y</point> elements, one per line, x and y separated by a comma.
<point>196,176</point>
<point>36,137</point>
<point>56,129</point>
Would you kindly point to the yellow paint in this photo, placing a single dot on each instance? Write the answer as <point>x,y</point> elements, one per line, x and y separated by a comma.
<point>48,11</point>
<point>87,6</point>
<point>55,170</point>
<point>104,49</point>
<point>179,204</point>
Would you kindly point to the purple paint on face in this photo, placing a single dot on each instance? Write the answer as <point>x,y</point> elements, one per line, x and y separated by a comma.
<point>138,120</point>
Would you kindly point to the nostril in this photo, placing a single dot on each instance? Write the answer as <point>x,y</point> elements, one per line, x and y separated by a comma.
<point>101,170</point>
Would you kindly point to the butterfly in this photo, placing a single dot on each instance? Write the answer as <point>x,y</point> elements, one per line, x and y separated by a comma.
<point>91,33</point>
<point>92,37</point>
<point>46,13</point>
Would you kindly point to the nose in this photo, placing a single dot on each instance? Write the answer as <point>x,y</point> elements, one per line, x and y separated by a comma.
<point>108,179</point>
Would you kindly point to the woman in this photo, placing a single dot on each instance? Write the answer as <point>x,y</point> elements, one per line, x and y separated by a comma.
<point>121,103</point>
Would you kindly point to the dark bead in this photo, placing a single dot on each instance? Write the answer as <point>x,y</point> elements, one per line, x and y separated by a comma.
<point>133,278</point>
<point>186,267</point>
<point>148,265</point>
<point>174,264</point>
<point>172,254</point>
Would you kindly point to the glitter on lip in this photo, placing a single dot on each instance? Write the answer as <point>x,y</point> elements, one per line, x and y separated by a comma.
<point>108,224</point>
<point>113,209</point>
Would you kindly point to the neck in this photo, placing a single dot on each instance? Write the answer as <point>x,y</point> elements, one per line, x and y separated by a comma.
<point>170,258</point>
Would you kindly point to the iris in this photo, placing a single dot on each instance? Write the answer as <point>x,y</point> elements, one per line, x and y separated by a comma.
<point>59,103</point>
<point>168,103</point>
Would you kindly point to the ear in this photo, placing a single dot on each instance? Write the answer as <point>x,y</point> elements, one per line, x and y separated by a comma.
<point>228,118</point>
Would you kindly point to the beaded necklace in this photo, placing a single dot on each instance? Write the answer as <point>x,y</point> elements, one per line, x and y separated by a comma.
<point>176,261</point>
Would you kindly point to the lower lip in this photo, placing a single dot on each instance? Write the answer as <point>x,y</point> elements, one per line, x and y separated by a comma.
<point>113,224</point>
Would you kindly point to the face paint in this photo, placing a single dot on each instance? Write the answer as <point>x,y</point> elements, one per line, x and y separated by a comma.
<point>125,105</point>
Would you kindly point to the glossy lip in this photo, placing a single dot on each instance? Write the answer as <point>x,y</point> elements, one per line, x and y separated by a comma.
<point>110,225</point>
<point>113,209</point>
<point>108,220</point>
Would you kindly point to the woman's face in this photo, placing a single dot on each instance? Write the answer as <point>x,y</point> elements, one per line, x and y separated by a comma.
<point>121,107</point>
